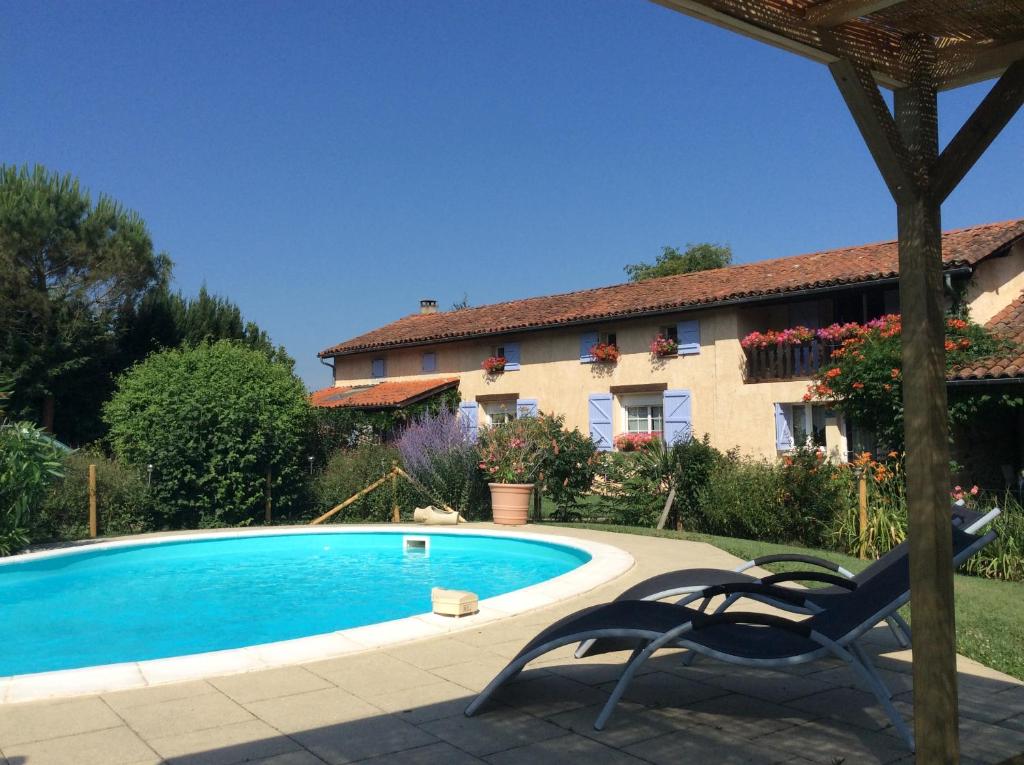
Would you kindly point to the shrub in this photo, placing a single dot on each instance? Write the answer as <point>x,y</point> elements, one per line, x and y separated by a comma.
<point>513,452</point>
<point>212,420</point>
<point>29,462</point>
<point>864,378</point>
<point>743,498</point>
<point>632,485</point>
<point>886,507</point>
<point>567,470</point>
<point>793,500</point>
<point>694,462</point>
<point>123,501</point>
<point>436,451</point>
<point>1004,557</point>
<point>350,470</point>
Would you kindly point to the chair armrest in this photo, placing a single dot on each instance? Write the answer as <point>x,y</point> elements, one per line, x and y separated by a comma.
<point>767,589</point>
<point>702,621</point>
<point>797,558</point>
<point>811,576</point>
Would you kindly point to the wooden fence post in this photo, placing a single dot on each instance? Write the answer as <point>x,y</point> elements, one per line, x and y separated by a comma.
<point>396,512</point>
<point>862,500</point>
<point>267,517</point>
<point>93,523</point>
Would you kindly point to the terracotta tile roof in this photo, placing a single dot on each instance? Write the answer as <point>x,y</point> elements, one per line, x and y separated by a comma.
<point>850,265</point>
<point>1008,323</point>
<point>385,395</point>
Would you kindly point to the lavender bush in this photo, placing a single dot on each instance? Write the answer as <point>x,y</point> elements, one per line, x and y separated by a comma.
<point>437,452</point>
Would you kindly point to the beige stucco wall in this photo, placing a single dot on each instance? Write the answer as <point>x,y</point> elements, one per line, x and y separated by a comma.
<point>995,284</point>
<point>730,411</point>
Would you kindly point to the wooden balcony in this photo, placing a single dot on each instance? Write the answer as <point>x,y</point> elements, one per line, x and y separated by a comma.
<point>786,362</point>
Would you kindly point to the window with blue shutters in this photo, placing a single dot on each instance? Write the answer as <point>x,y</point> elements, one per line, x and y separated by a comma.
<point>599,411</point>
<point>377,368</point>
<point>587,341</point>
<point>526,407</point>
<point>429,362</point>
<point>511,353</point>
<point>688,333</point>
<point>469,419</point>
<point>678,416</point>
<point>783,427</point>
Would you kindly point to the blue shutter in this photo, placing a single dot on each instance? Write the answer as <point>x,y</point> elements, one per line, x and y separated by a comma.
<point>511,357</point>
<point>678,416</point>
<point>587,341</point>
<point>783,429</point>
<point>378,368</point>
<point>688,333</point>
<point>526,407</point>
<point>429,362</point>
<point>469,419</point>
<point>599,409</point>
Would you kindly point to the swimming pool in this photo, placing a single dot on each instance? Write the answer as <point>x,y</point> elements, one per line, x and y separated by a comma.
<point>138,602</point>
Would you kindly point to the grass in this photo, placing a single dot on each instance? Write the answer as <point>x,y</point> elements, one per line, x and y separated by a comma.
<point>989,617</point>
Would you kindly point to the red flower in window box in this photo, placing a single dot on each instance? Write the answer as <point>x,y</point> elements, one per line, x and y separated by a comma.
<point>493,365</point>
<point>662,346</point>
<point>634,442</point>
<point>605,352</point>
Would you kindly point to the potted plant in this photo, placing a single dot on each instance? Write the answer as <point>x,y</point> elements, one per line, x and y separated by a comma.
<point>511,455</point>
<point>662,346</point>
<point>605,353</point>
<point>493,365</point>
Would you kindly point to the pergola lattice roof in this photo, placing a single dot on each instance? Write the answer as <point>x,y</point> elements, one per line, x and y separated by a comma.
<point>975,39</point>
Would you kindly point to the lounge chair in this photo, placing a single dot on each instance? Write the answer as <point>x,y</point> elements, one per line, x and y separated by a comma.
<point>742,638</point>
<point>689,585</point>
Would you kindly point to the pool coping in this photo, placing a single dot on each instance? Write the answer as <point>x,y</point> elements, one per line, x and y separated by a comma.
<point>606,563</point>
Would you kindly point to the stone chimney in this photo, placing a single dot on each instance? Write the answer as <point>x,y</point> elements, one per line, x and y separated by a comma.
<point>428,306</point>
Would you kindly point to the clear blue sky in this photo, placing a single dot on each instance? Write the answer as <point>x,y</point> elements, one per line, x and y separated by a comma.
<point>326,165</point>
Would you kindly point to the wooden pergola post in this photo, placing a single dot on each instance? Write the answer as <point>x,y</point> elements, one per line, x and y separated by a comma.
<point>905,148</point>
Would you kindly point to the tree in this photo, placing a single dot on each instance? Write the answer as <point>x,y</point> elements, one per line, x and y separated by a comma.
<point>69,271</point>
<point>696,257</point>
<point>863,377</point>
<point>212,420</point>
<point>167,320</point>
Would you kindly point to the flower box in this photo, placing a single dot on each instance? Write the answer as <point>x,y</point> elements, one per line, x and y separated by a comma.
<point>605,353</point>
<point>662,347</point>
<point>634,442</point>
<point>493,365</point>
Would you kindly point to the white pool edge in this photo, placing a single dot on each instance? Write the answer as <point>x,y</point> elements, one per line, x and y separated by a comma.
<point>606,563</point>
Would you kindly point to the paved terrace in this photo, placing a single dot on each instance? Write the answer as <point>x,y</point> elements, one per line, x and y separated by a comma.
<point>403,705</point>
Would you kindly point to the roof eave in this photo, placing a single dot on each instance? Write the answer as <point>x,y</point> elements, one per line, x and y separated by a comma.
<point>954,269</point>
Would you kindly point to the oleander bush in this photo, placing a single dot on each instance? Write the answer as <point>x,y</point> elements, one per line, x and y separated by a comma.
<point>30,460</point>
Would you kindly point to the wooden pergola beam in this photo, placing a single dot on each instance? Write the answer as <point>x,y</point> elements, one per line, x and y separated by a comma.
<point>981,128</point>
<point>876,125</point>
<point>832,13</point>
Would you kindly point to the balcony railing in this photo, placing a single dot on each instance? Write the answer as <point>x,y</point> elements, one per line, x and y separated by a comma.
<point>787,362</point>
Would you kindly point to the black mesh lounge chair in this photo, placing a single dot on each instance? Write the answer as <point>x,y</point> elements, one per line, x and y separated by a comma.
<point>688,585</point>
<point>746,639</point>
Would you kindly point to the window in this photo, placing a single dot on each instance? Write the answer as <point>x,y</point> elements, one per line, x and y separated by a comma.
<point>643,414</point>
<point>670,333</point>
<point>608,338</point>
<point>644,418</point>
<point>429,362</point>
<point>500,412</point>
<point>806,426</point>
<point>510,352</point>
<point>377,368</point>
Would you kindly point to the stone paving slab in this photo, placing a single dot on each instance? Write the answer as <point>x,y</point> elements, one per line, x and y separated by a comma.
<point>403,704</point>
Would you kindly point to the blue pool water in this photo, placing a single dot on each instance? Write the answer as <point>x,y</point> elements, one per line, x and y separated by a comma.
<point>173,598</point>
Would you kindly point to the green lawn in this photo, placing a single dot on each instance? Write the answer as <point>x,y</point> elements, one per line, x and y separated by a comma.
<point>989,613</point>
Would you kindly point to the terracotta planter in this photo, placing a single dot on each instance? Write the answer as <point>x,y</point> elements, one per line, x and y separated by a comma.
<point>510,502</point>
